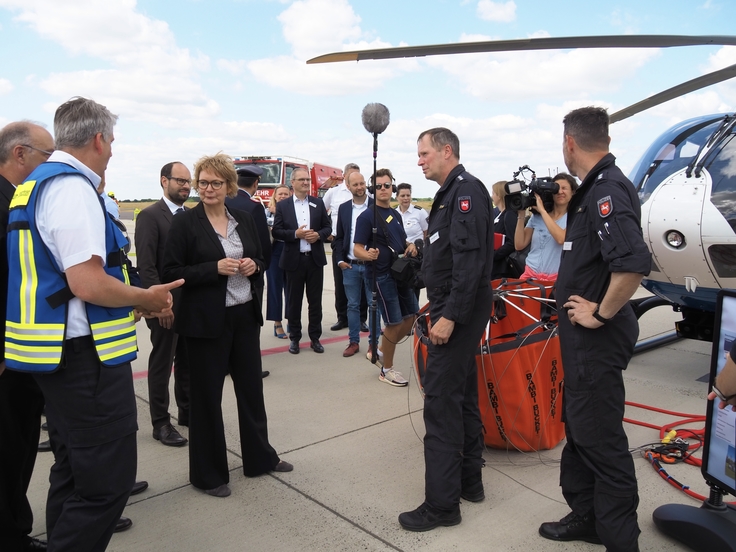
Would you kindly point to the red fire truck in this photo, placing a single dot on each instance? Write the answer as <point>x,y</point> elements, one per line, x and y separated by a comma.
<point>277,170</point>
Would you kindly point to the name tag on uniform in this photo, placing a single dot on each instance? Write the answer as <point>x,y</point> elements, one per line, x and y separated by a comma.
<point>434,237</point>
<point>567,246</point>
<point>389,219</point>
<point>312,204</point>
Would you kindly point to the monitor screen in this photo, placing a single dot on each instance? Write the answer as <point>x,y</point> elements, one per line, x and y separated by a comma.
<point>719,454</point>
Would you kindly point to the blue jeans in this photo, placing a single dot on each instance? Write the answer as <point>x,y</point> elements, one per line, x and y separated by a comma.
<point>352,279</point>
<point>396,302</point>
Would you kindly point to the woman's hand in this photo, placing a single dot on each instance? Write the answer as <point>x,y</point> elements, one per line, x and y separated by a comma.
<point>228,266</point>
<point>247,267</point>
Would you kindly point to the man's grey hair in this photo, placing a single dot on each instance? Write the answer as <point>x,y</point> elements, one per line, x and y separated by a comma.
<point>79,120</point>
<point>441,137</point>
<point>15,134</point>
<point>351,167</point>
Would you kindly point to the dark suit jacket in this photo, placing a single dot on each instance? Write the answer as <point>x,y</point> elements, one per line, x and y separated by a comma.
<point>244,202</point>
<point>6,194</point>
<point>151,230</point>
<point>345,229</point>
<point>285,225</point>
<point>192,251</point>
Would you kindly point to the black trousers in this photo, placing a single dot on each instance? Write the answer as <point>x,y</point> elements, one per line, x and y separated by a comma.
<point>21,404</point>
<point>166,349</point>
<point>341,299</point>
<point>596,469</point>
<point>453,443</point>
<point>238,351</point>
<point>92,420</point>
<point>310,276</point>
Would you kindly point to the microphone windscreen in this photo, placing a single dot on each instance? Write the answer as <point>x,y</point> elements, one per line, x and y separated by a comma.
<point>375,118</point>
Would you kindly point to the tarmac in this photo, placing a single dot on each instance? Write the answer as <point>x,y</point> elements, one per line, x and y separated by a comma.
<point>356,446</point>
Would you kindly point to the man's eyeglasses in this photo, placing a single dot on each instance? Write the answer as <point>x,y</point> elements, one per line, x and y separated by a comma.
<point>180,181</point>
<point>45,152</point>
<point>385,186</point>
<point>214,184</point>
<point>302,180</point>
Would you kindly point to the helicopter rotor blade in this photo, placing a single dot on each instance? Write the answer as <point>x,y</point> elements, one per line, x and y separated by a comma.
<point>548,43</point>
<point>675,92</point>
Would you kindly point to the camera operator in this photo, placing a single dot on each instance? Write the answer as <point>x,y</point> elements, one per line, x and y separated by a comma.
<point>543,260</point>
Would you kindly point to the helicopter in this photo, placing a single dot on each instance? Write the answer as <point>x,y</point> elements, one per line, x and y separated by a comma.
<point>686,179</point>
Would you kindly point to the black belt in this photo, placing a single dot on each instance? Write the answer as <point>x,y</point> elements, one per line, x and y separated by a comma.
<point>79,344</point>
<point>356,261</point>
<point>307,253</point>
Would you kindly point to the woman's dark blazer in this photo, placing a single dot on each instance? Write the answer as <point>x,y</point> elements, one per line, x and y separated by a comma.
<point>192,251</point>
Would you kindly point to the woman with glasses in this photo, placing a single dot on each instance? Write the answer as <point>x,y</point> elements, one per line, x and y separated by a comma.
<point>218,253</point>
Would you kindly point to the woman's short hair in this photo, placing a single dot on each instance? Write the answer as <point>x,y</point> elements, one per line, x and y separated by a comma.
<point>568,178</point>
<point>222,165</point>
<point>499,188</point>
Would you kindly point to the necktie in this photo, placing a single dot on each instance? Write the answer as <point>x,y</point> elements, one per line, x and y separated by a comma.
<point>179,210</point>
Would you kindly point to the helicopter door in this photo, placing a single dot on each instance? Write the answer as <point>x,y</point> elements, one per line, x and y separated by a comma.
<point>672,225</point>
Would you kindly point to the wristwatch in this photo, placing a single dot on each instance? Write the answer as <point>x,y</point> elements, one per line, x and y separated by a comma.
<point>597,315</point>
<point>720,395</point>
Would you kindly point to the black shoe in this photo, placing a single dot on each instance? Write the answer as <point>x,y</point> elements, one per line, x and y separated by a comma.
<point>317,346</point>
<point>364,327</point>
<point>169,436</point>
<point>265,373</point>
<point>294,347</point>
<point>139,487</point>
<point>472,489</point>
<point>571,528</point>
<point>426,518</point>
<point>340,325</point>
<point>45,426</point>
<point>123,524</point>
<point>44,446</point>
<point>34,545</point>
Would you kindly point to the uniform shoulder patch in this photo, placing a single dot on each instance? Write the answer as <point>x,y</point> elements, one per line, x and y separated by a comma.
<point>417,207</point>
<point>464,204</point>
<point>605,206</point>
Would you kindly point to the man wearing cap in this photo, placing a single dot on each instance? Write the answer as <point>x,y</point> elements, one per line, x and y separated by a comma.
<point>248,178</point>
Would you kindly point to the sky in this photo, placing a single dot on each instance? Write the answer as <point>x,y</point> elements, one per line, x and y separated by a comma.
<point>193,77</point>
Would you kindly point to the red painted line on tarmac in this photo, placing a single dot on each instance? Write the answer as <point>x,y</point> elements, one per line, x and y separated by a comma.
<point>265,352</point>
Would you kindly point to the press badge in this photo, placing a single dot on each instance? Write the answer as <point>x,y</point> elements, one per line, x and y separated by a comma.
<point>567,246</point>
<point>312,204</point>
<point>434,237</point>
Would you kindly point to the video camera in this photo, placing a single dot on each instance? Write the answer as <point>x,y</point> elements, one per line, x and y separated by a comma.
<point>520,194</point>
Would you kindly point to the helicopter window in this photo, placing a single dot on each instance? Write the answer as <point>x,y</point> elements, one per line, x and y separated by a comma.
<point>721,166</point>
<point>723,257</point>
<point>672,152</point>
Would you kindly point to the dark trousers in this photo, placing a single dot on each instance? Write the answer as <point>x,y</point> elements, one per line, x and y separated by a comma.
<point>238,351</point>
<point>311,276</point>
<point>453,444</point>
<point>91,414</point>
<point>596,469</point>
<point>21,404</point>
<point>166,349</point>
<point>276,285</point>
<point>341,298</point>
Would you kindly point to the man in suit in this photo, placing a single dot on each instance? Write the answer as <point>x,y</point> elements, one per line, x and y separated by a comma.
<point>248,178</point>
<point>302,224</point>
<point>353,269</point>
<point>151,231</point>
<point>23,146</point>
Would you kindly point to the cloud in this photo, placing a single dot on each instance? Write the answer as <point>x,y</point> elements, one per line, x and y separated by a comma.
<point>234,67</point>
<point>299,22</point>
<point>5,86</point>
<point>497,11</point>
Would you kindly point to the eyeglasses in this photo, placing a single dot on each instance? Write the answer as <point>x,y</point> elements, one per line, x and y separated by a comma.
<point>45,152</point>
<point>302,180</point>
<point>385,186</point>
<point>181,181</point>
<point>214,184</point>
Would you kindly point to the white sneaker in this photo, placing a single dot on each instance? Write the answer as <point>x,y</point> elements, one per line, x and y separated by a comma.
<point>392,377</point>
<point>379,355</point>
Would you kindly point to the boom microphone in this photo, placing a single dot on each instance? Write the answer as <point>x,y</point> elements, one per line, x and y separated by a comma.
<point>375,118</point>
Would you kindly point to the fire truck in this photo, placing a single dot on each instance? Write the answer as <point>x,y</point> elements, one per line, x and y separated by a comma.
<point>277,171</point>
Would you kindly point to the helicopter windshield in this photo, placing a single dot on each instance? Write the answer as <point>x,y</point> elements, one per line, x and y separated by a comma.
<point>671,152</point>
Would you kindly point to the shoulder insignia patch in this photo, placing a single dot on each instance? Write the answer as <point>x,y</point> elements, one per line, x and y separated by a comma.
<point>605,206</point>
<point>464,204</point>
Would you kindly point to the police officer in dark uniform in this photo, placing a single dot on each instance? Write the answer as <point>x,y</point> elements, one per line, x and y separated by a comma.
<point>457,272</point>
<point>604,259</point>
